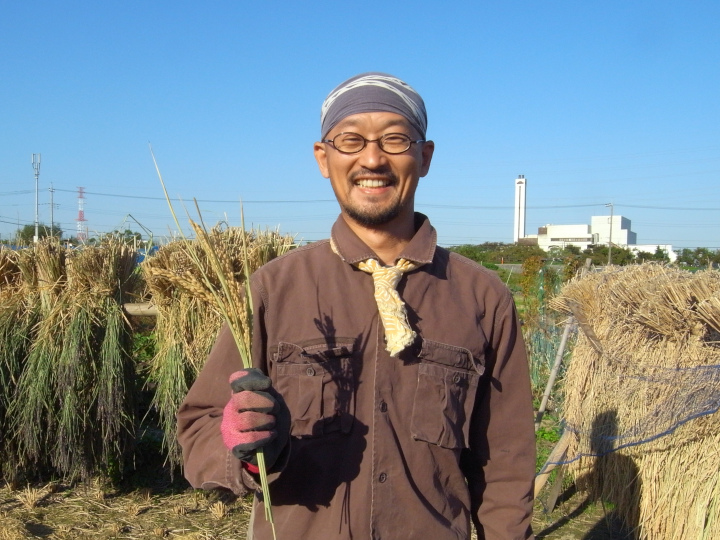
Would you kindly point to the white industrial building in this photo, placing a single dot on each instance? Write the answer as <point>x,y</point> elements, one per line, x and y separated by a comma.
<point>615,229</point>
<point>651,248</point>
<point>602,230</point>
<point>598,232</point>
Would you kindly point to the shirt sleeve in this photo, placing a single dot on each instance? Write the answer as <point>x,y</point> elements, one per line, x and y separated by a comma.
<point>500,465</point>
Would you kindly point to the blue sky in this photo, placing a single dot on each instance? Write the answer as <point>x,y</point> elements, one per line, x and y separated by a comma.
<point>594,102</point>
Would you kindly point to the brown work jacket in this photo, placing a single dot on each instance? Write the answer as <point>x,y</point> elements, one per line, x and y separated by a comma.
<point>415,446</point>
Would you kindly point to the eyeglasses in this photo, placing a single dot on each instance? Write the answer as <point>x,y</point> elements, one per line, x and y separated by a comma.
<point>352,143</point>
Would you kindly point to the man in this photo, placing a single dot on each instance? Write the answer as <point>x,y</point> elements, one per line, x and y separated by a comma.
<point>397,399</point>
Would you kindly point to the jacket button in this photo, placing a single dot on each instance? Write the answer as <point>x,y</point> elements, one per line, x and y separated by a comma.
<point>457,378</point>
<point>310,372</point>
<point>382,477</point>
<point>383,407</point>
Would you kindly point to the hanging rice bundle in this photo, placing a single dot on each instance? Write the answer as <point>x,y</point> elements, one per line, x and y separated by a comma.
<point>643,394</point>
<point>185,328</point>
<point>42,271</point>
<point>18,316</point>
<point>188,314</point>
<point>74,406</point>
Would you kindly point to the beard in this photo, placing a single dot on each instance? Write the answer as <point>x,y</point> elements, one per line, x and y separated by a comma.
<point>369,217</point>
<point>372,215</point>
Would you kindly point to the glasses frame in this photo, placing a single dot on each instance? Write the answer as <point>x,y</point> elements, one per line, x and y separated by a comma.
<point>379,142</point>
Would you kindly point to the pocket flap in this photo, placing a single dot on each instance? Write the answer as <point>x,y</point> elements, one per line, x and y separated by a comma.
<point>451,356</point>
<point>314,351</point>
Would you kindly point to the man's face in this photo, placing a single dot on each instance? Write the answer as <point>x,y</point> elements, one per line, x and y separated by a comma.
<point>374,187</point>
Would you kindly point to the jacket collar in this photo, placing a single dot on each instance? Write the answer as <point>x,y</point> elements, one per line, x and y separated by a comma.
<point>352,250</point>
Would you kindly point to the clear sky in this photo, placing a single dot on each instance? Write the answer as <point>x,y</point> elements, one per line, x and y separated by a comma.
<point>595,102</point>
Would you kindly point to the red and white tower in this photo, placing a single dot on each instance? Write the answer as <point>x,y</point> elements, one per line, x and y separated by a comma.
<point>81,229</point>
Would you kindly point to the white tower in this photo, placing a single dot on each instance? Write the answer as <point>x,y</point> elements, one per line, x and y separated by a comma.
<point>519,225</point>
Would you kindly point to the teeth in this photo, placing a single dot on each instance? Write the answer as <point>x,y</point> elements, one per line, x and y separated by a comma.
<point>367,183</point>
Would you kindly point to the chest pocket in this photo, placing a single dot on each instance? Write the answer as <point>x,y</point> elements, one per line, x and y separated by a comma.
<point>318,385</point>
<point>447,384</point>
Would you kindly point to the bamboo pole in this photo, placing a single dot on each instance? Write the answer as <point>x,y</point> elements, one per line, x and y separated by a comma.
<point>146,309</point>
<point>569,326</point>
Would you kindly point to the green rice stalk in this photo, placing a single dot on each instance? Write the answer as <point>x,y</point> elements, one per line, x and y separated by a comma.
<point>186,327</point>
<point>32,405</point>
<point>116,404</point>
<point>74,387</point>
<point>18,317</point>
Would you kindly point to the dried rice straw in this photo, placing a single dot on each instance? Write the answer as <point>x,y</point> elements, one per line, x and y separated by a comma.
<point>642,403</point>
<point>231,297</point>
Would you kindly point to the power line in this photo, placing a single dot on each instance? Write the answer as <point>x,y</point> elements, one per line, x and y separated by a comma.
<point>198,200</point>
<point>22,192</point>
<point>449,206</point>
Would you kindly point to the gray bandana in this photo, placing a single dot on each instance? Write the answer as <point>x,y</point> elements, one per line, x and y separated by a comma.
<point>373,92</point>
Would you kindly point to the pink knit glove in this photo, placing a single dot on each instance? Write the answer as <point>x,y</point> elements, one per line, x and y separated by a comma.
<point>255,417</point>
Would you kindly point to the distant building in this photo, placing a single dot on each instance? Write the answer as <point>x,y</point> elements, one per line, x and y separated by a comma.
<point>582,236</point>
<point>598,233</point>
<point>652,248</point>
<point>602,230</point>
<point>619,228</point>
<point>561,236</point>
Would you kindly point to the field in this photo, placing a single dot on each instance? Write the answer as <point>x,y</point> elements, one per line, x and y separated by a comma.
<point>89,396</point>
<point>151,503</point>
<point>96,510</point>
<point>103,494</point>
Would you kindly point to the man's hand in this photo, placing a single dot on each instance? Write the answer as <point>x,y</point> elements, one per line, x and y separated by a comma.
<point>255,417</point>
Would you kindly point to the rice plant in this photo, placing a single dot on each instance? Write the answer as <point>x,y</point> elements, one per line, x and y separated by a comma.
<point>188,317</point>
<point>73,408</point>
<point>224,282</point>
<point>18,316</point>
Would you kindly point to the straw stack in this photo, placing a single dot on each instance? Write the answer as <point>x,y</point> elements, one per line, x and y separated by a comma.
<point>188,316</point>
<point>19,312</point>
<point>73,408</point>
<point>642,395</point>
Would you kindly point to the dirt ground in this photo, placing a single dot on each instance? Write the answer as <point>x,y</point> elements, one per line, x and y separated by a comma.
<point>577,518</point>
<point>56,511</point>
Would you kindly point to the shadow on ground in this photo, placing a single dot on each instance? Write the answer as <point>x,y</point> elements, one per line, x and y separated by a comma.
<point>577,518</point>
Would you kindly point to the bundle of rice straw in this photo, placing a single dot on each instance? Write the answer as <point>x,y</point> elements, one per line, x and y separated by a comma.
<point>189,315</point>
<point>74,406</point>
<point>642,395</point>
<point>19,312</point>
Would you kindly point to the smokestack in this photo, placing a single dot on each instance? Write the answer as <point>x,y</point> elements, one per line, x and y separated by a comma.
<point>519,224</point>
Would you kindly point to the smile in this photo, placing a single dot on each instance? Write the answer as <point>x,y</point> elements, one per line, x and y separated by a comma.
<point>372,183</point>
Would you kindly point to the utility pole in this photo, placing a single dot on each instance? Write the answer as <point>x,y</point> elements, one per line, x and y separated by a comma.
<point>36,166</point>
<point>610,238</point>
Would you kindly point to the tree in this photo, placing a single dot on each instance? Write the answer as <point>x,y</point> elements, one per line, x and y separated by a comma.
<point>26,235</point>
<point>642,256</point>
<point>129,237</point>
<point>599,255</point>
<point>661,255</point>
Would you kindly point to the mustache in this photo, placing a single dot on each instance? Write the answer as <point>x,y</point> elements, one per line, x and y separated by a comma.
<point>376,174</point>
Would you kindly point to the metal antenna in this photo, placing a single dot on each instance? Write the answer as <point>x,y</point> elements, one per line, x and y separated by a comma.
<point>36,166</point>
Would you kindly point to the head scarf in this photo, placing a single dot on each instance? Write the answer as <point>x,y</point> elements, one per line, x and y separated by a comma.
<point>373,92</point>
